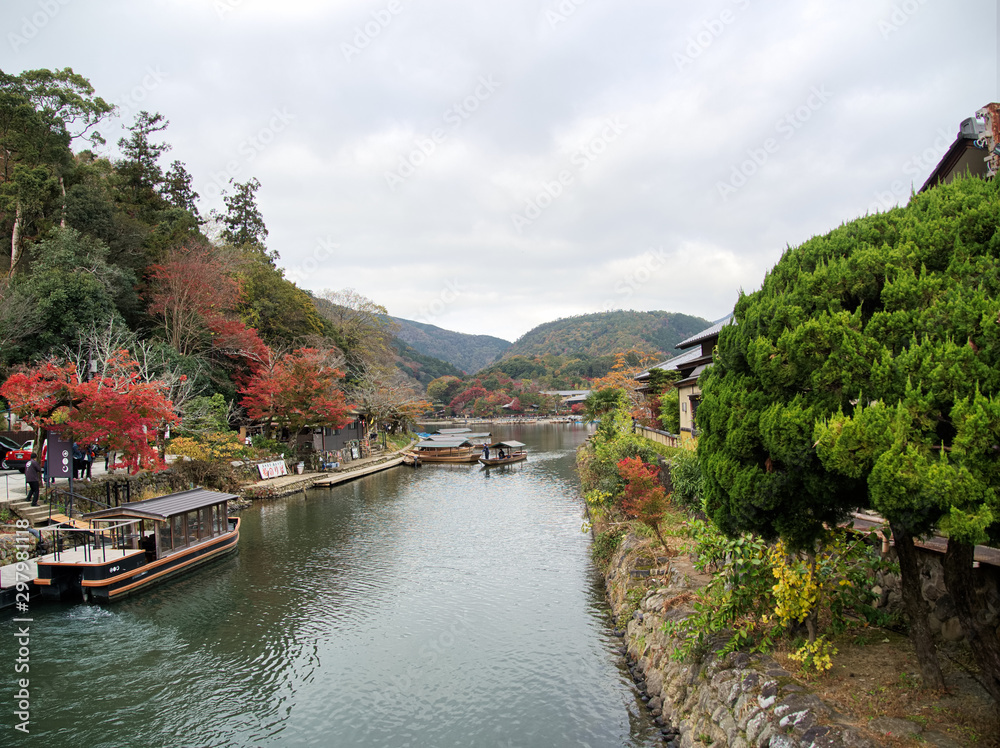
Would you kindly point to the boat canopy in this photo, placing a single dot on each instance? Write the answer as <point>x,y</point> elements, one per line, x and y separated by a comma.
<point>447,437</point>
<point>163,507</point>
<point>455,431</point>
<point>510,444</point>
<point>444,444</point>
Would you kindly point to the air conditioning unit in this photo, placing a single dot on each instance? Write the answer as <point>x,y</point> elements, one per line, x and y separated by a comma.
<point>971,128</point>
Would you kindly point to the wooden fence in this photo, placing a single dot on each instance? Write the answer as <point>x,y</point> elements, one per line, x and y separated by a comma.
<point>661,437</point>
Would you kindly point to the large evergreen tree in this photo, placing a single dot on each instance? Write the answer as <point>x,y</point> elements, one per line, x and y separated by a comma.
<point>41,113</point>
<point>865,373</point>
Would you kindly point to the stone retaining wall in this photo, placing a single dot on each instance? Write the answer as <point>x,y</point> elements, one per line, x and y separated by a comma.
<point>942,616</point>
<point>737,700</point>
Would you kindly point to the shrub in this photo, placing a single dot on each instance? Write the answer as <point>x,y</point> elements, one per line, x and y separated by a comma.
<point>606,544</point>
<point>737,601</point>
<point>216,445</point>
<point>685,474</point>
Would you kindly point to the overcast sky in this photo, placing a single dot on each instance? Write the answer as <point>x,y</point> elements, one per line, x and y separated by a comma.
<point>489,166</point>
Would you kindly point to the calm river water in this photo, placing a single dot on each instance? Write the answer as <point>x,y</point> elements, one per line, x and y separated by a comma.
<point>447,605</point>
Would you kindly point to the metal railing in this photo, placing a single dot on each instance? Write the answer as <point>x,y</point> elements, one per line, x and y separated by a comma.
<point>98,539</point>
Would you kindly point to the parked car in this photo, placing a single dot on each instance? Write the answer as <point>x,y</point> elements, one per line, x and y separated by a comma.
<point>8,444</point>
<point>17,458</point>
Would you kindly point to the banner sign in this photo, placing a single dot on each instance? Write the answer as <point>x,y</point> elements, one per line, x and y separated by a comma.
<point>272,469</point>
<point>58,457</point>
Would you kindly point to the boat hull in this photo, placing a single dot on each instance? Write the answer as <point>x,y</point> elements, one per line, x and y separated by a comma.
<point>115,579</point>
<point>494,461</point>
<point>442,456</point>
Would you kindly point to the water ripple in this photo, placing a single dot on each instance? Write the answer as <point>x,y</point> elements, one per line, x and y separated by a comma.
<point>443,606</point>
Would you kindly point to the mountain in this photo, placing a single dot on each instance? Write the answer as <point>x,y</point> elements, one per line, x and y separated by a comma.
<point>606,333</point>
<point>470,353</point>
<point>420,367</point>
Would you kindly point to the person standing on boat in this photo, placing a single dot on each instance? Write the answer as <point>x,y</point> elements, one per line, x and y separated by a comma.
<point>486,451</point>
<point>32,474</point>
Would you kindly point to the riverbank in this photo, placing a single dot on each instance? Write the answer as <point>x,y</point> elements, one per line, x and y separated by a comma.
<point>871,697</point>
<point>286,485</point>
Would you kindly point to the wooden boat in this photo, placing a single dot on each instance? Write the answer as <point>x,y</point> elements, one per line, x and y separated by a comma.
<point>446,450</point>
<point>478,440</point>
<point>112,553</point>
<point>512,452</point>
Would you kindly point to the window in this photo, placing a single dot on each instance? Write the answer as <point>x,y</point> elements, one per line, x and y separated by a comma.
<point>177,527</point>
<point>163,530</point>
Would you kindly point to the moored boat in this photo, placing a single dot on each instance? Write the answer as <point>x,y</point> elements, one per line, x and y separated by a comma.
<point>113,553</point>
<point>446,450</point>
<point>511,451</point>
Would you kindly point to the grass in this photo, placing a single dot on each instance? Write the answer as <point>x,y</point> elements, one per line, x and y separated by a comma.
<point>876,674</point>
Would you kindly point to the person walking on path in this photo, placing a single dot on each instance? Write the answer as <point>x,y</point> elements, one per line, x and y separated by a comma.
<point>32,474</point>
<point>88,458</point>
<point>78,466</point>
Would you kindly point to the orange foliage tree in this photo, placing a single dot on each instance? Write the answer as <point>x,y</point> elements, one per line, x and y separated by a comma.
<point>622,376</point>
<point>117,409</point>
<point>298,390</point>
<point>645,499</point>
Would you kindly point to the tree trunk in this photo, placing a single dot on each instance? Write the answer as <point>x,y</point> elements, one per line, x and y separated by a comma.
<point>916,609</point>
<point>982,638</point>
<point>62,187</point>
<point>15,237</point>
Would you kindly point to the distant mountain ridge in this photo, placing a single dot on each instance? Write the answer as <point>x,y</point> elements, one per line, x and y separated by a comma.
<point>470,353</point>
<point>605,333</point>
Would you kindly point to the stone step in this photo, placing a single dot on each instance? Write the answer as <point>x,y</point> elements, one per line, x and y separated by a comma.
<point>36,515</point>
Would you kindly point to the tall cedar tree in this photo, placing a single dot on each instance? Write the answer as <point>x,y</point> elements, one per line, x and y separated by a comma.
<point>866,374</point>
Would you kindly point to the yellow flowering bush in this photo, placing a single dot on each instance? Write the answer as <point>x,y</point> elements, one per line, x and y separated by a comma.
<point>817,655</point>
<point>796,592</point>
<point>223,446</point>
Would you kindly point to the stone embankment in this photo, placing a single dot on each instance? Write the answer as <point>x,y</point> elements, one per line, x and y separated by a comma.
<point>737,700</point>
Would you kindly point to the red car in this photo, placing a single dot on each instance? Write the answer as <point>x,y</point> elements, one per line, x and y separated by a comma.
<point>16,459</point>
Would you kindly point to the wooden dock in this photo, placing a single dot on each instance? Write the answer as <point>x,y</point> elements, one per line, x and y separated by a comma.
<point>338,478</point>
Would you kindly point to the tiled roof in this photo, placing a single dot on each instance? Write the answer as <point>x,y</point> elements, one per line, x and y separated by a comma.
<point>167,506</point>
<point>705,334</point>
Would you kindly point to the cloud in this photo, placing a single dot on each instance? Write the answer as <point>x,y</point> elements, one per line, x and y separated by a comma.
<point>608,132</point>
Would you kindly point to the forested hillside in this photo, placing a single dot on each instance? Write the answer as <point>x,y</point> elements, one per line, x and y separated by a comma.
<point>113,269</point>
<point>606,333</point>
<point>470,353</point>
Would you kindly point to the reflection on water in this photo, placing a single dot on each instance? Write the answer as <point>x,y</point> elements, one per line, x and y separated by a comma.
<point>444,605</point>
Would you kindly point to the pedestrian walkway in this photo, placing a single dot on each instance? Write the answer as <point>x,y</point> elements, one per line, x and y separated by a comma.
<point>288,484</point>
<point>14,493</point>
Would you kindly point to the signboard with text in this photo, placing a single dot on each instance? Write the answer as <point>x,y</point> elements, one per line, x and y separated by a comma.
<point>58,457</point>
<point>272,469</point>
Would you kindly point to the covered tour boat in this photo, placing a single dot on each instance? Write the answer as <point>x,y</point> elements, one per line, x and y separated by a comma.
<point>504,453</point>
<point>115,552</point>
<point>445,450</point>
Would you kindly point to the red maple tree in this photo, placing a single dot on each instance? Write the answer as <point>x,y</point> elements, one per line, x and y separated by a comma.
<point>645,499</point>
<point>297,390</point>
<point>33,393</point>
<point>192,289</point>
<point>118,410</point>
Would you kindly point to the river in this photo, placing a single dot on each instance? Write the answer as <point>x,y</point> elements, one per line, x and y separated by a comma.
<point>447,605</point>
